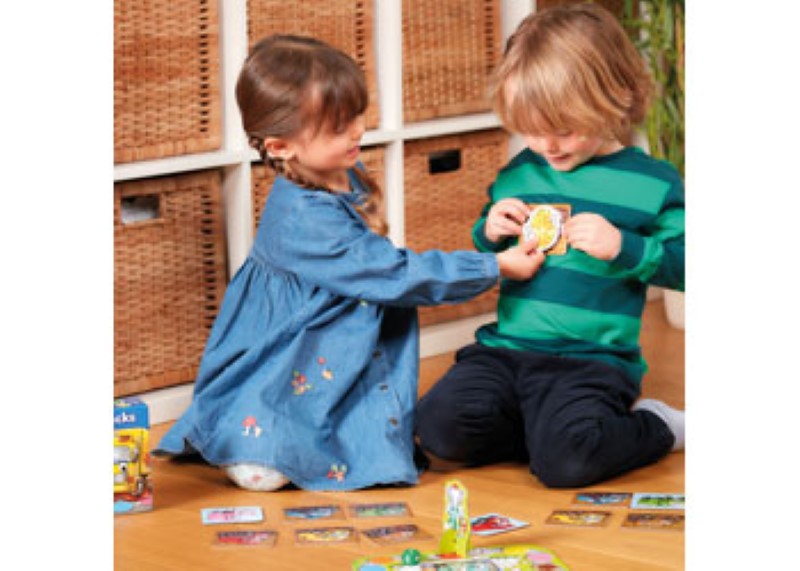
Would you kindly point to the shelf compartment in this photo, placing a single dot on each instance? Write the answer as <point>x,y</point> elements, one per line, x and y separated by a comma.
<point>170,274</point>
<point>445,190</point>
<point>166,78</point>
<point>345,24</point>
<point>450,49</point>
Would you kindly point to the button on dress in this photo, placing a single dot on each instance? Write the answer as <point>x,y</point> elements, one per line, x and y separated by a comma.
<point>311,366</point>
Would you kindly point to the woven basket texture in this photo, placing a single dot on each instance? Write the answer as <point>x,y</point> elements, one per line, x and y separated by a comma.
<point>346,25</point>
<point>262,177</point>
<point>166,78</point>
<point>616,7</point>
<point>441,208</point>
<point>450,48</point>
<point>170,273</point>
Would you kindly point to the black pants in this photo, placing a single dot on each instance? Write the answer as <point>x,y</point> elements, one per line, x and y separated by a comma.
<point>569,419</point>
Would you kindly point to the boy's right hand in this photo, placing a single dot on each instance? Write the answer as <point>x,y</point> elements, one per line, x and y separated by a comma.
<point>520,262</point>
<point>505,219</point>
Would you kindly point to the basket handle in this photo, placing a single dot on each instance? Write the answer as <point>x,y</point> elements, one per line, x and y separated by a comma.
<point>440,162</point>
<point>140,209</point>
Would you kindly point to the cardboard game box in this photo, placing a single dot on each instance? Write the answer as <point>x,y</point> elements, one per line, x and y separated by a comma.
<point>133,491</point>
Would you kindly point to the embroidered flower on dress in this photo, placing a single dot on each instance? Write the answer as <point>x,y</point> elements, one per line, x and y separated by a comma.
<point>337,472</point>
<point>250,424</point>
<point>300,383</point>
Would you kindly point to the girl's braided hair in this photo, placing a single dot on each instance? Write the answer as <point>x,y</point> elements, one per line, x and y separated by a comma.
<point>290,82</point>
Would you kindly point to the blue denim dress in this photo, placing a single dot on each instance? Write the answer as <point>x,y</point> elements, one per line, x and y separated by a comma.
<point>311,366</point>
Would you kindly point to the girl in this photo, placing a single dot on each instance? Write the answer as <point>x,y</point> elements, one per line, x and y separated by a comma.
<point>309,375</point>
<point>552,383</point>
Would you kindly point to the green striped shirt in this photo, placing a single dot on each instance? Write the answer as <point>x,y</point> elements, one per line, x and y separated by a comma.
<point>577,305</point>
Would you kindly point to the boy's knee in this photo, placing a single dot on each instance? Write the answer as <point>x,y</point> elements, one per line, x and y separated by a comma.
<point>565,470</point>
<point>439,435</point>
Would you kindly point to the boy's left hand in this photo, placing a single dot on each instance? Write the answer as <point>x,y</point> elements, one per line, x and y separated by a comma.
<point>594,235</point>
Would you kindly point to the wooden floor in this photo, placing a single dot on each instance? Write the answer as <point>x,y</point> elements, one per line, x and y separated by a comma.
<point>171,537</point>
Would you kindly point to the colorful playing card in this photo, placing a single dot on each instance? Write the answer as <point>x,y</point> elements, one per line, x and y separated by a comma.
<point>305,513</point>
<point>262,537</point>
<point>645,520</point>
<point>545,222</point>
<point>393,509</point>
<point>239,514</point>
<point>658,501</point>
<point>324,535</point>
<point>581,518</point>
<point>494,523</point>
<point>605,499</point>
<point>396,533</point>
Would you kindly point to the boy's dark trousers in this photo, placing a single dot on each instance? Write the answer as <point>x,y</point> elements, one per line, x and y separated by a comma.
<point>568,418</point>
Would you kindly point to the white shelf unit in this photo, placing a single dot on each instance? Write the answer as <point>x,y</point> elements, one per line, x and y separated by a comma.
<point>235,158</point>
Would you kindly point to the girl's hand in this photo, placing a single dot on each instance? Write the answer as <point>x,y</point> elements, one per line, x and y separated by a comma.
<point>505,219</point>
<point>594,235</point>
<point>520,262</point>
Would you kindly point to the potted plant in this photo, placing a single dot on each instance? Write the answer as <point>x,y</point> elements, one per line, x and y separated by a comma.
<point>657,29</point>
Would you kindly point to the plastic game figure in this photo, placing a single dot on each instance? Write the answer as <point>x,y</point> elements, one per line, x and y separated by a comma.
<point>456,524</point>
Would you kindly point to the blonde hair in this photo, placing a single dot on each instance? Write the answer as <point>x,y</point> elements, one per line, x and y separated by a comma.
<point>288,83</point>
<point>572,68</point>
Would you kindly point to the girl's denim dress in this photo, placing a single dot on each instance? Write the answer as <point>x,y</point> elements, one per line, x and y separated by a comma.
<point>311,365</point>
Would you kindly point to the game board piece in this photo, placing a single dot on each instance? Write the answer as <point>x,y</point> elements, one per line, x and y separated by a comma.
<point>305,513</point>
<point>605,499</point>
<point>260,537</point>
<point>645,520</point>
<point>546,221</point>
<point>455,520</point>
<point>396,533</point>
<point>411,556</point>
<point>494,523</point>
<point>391,509</point>
<point>658,501</point>
<point>580,518</point>
<point>240,514</point>
<point>324,535</point>
<point>523,556</point>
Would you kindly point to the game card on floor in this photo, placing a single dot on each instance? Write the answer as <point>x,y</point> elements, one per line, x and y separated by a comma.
<point>324,535</point>
<point>396,533</point>
<point>239,514</point>
<point>261,537</point>
<point>645,520</point>
<point>494,523</point>
<point>658,501</point>
<point>605,499</point>
<point>305,513</point>
<point>390,509</point>
<point>580,518</point>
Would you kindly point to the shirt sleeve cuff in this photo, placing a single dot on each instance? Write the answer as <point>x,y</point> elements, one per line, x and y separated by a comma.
<point>483,244</point>
<point>631,251</point>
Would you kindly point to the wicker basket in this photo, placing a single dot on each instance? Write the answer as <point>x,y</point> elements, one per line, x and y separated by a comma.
<point>450,48</point>
<point>445,189</point>
<point>166,78</point>
<point>262,178</point>
<point>346,25</point>
<point>170,273</point>
<point>616,7</point>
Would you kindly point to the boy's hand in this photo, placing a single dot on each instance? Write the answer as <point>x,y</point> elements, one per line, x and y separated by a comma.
<point>505,219</point>
<point>520,262</point>
<point>594,235</point>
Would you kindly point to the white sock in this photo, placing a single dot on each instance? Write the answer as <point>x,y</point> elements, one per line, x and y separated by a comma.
<point>674,419</point>
<point>256,478</point>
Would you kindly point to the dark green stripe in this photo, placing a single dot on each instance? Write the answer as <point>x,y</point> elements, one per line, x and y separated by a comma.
<point>518,317</point>
<point>580,290</point>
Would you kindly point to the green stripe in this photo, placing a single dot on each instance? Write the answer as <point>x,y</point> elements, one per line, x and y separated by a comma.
<point>600,184</point>
<point>671,224</point>
<point>518,317</point>
<point>580,290</point>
